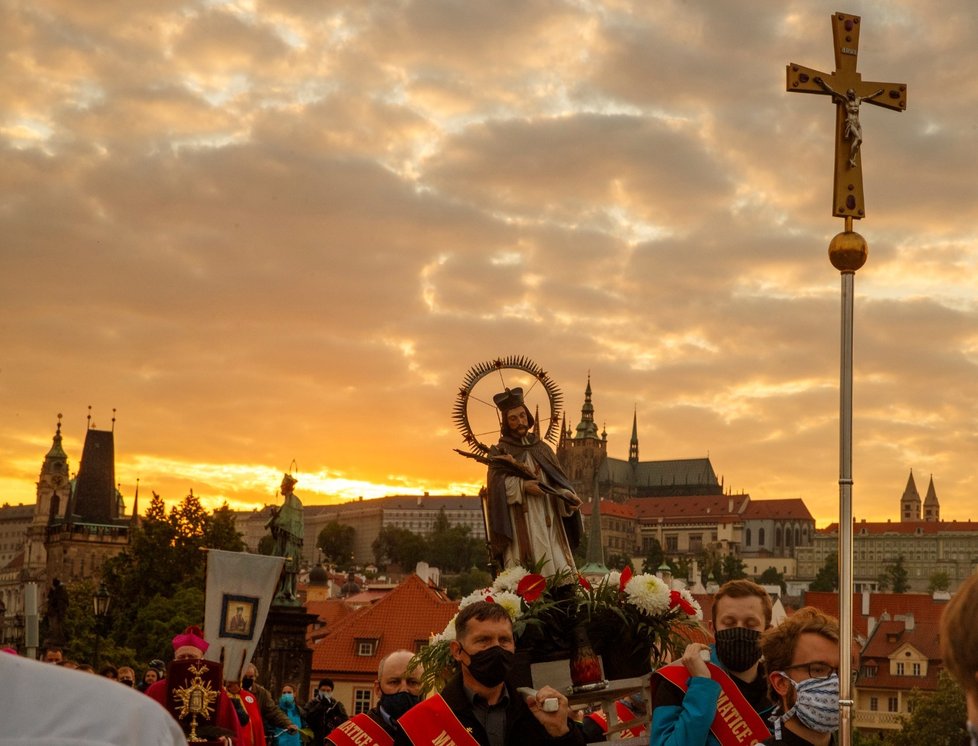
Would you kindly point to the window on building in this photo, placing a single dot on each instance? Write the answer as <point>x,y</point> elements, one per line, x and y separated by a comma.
<point>916,669</point>
<point>777,537</point>
<point>361,701</point>
<point>874,704</point>
<point>695,542</point>
<point>900,671</point>
<point>760,537</point>
<point>672,543</point>
<point>893,704</point>
<point>747,538</point>
<point>366,648</point>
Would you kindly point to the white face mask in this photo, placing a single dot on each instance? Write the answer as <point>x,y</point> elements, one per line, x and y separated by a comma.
<point>816,704</point>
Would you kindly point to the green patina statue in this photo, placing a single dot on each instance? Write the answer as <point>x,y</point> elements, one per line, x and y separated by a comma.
<point>286,529</point>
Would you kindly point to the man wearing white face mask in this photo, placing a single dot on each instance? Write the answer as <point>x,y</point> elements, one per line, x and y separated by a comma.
<point>801,660</point>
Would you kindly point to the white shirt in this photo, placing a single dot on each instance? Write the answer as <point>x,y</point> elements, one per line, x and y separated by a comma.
<point>42,704</point>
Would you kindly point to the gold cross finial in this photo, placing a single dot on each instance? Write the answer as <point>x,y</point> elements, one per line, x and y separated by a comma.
<point>848,91</point>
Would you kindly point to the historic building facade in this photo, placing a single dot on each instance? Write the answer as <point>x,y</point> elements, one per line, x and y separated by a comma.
<point>583,453</point>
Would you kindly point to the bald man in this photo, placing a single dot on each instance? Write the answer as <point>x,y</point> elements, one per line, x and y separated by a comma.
<point>397,689</point>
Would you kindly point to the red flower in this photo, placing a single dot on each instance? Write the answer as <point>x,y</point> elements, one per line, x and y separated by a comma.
<point>490,599</point>
<point>626,575</point>
<point>530,587</point>
<point>583,582</point>
<point>676,599</point>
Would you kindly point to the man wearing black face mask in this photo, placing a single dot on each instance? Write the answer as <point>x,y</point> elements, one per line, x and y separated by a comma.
<point>716,694</point>
<point>477,706</point>
<point>397,690</point>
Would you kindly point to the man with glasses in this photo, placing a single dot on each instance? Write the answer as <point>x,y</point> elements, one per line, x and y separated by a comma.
<point>801,661</point>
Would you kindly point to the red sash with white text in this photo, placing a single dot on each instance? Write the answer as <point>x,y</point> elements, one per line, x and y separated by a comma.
<point>432,723</point>
<point>736,723</point>
<point>624,716</point>
<point>360,730</point>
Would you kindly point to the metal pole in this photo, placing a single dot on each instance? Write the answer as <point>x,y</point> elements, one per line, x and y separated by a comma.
<point>848,252</point>
<point>845,516</point>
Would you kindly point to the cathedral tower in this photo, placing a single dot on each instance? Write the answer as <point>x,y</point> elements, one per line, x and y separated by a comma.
<point>932,508</point>
<point>581,452</point>
<point>910,502</point>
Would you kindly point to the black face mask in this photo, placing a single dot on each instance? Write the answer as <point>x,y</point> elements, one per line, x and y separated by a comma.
<point>247,682</point>
<point>398,703</point>
<point>737,648</point>
<point>491,666</point>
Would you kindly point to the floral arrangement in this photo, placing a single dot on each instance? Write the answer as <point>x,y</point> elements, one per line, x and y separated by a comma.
<point>636,616</point>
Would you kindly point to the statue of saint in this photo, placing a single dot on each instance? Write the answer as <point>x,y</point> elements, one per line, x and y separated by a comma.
<point>55,614</point>
<point>533,510</point>
<point>286,528</point>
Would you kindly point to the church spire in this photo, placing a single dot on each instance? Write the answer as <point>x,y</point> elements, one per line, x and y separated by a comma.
<point>586,427</point>
<point>910,502</point>
<point>932,508</point>
<point>633,444</point>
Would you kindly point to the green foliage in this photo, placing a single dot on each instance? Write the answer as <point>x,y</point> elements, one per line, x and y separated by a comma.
<point>653,556</point>
<point>399,546</point>
<point>827,578</point>
<point>335,541</point>
<point>157,584</point>
<point>464,583</point>
<point>938,581</point>
<point>897,577</point>
<point>937,718</point>
<point>771,576</point>
<point>450,548</point>
<point>731,568</point>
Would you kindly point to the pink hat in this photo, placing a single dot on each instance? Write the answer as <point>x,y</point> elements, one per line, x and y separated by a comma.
<point>191,636</point>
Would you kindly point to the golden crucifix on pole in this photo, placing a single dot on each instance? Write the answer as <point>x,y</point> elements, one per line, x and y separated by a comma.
<point>847,252</point>
<point>849,91</point>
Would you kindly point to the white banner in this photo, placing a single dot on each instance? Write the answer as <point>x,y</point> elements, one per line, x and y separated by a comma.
<point>240,589</point>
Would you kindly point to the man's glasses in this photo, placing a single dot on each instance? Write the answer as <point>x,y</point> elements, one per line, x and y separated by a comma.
<point>819,670</point>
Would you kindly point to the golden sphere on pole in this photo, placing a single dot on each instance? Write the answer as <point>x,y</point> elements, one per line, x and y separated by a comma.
<point>848,251</point>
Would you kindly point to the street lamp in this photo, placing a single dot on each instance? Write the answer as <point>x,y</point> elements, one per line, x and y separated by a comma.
<point>101,600</point>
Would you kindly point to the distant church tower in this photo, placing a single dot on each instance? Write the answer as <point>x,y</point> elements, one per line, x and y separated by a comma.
<point>53,490</point>
<point>910,502</point>
<point>582,450</point>
<point>92,527</point>
<point>932,508</point>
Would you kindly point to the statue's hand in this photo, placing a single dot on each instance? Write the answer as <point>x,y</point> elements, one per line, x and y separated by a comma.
<point>532,487</point>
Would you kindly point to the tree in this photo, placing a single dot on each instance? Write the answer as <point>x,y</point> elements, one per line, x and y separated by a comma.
<point>827,578</point>
<point>452,548</point>
<point>653,555</point>
<point>771,576</point>
<point>157,582</point>
<point>939,581</point>
<point>461,585</point>
<point>335,541</point>
<point>899,578</point>
<point>399,546</point>
<point>937,717</point>
<point>731,568</point>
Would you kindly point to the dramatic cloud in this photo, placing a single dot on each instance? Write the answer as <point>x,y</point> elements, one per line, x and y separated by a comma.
<point>277,231</point>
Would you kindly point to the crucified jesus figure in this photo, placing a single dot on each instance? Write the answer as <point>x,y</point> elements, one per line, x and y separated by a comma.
<point>853,129</point>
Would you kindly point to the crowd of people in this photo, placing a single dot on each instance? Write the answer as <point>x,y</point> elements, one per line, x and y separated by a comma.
<point>757,683</point>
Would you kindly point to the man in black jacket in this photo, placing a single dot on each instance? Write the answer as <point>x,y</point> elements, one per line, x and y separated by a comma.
<point>492,711</point>
<point>322,712</point>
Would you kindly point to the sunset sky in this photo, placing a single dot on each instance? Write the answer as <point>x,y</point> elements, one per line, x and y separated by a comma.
<point>277,231</point>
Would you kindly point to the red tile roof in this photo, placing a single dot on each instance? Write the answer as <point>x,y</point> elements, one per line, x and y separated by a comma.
<point>329,612</point>
<point>684,509</point>
<point>791,508</point>
<point>893,634</point>
<point>907,527</point>
<point>923,607</point>
<point>608,507</point>
<point>409,613</point>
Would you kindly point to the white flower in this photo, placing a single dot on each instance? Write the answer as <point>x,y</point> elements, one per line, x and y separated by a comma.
<point>692,602</point>
<point>614,579</point>
<point>648,593</point>
<point>511,602</point>
<point>479,594</point>
<point>510,578</point>
<point>447,634</point>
